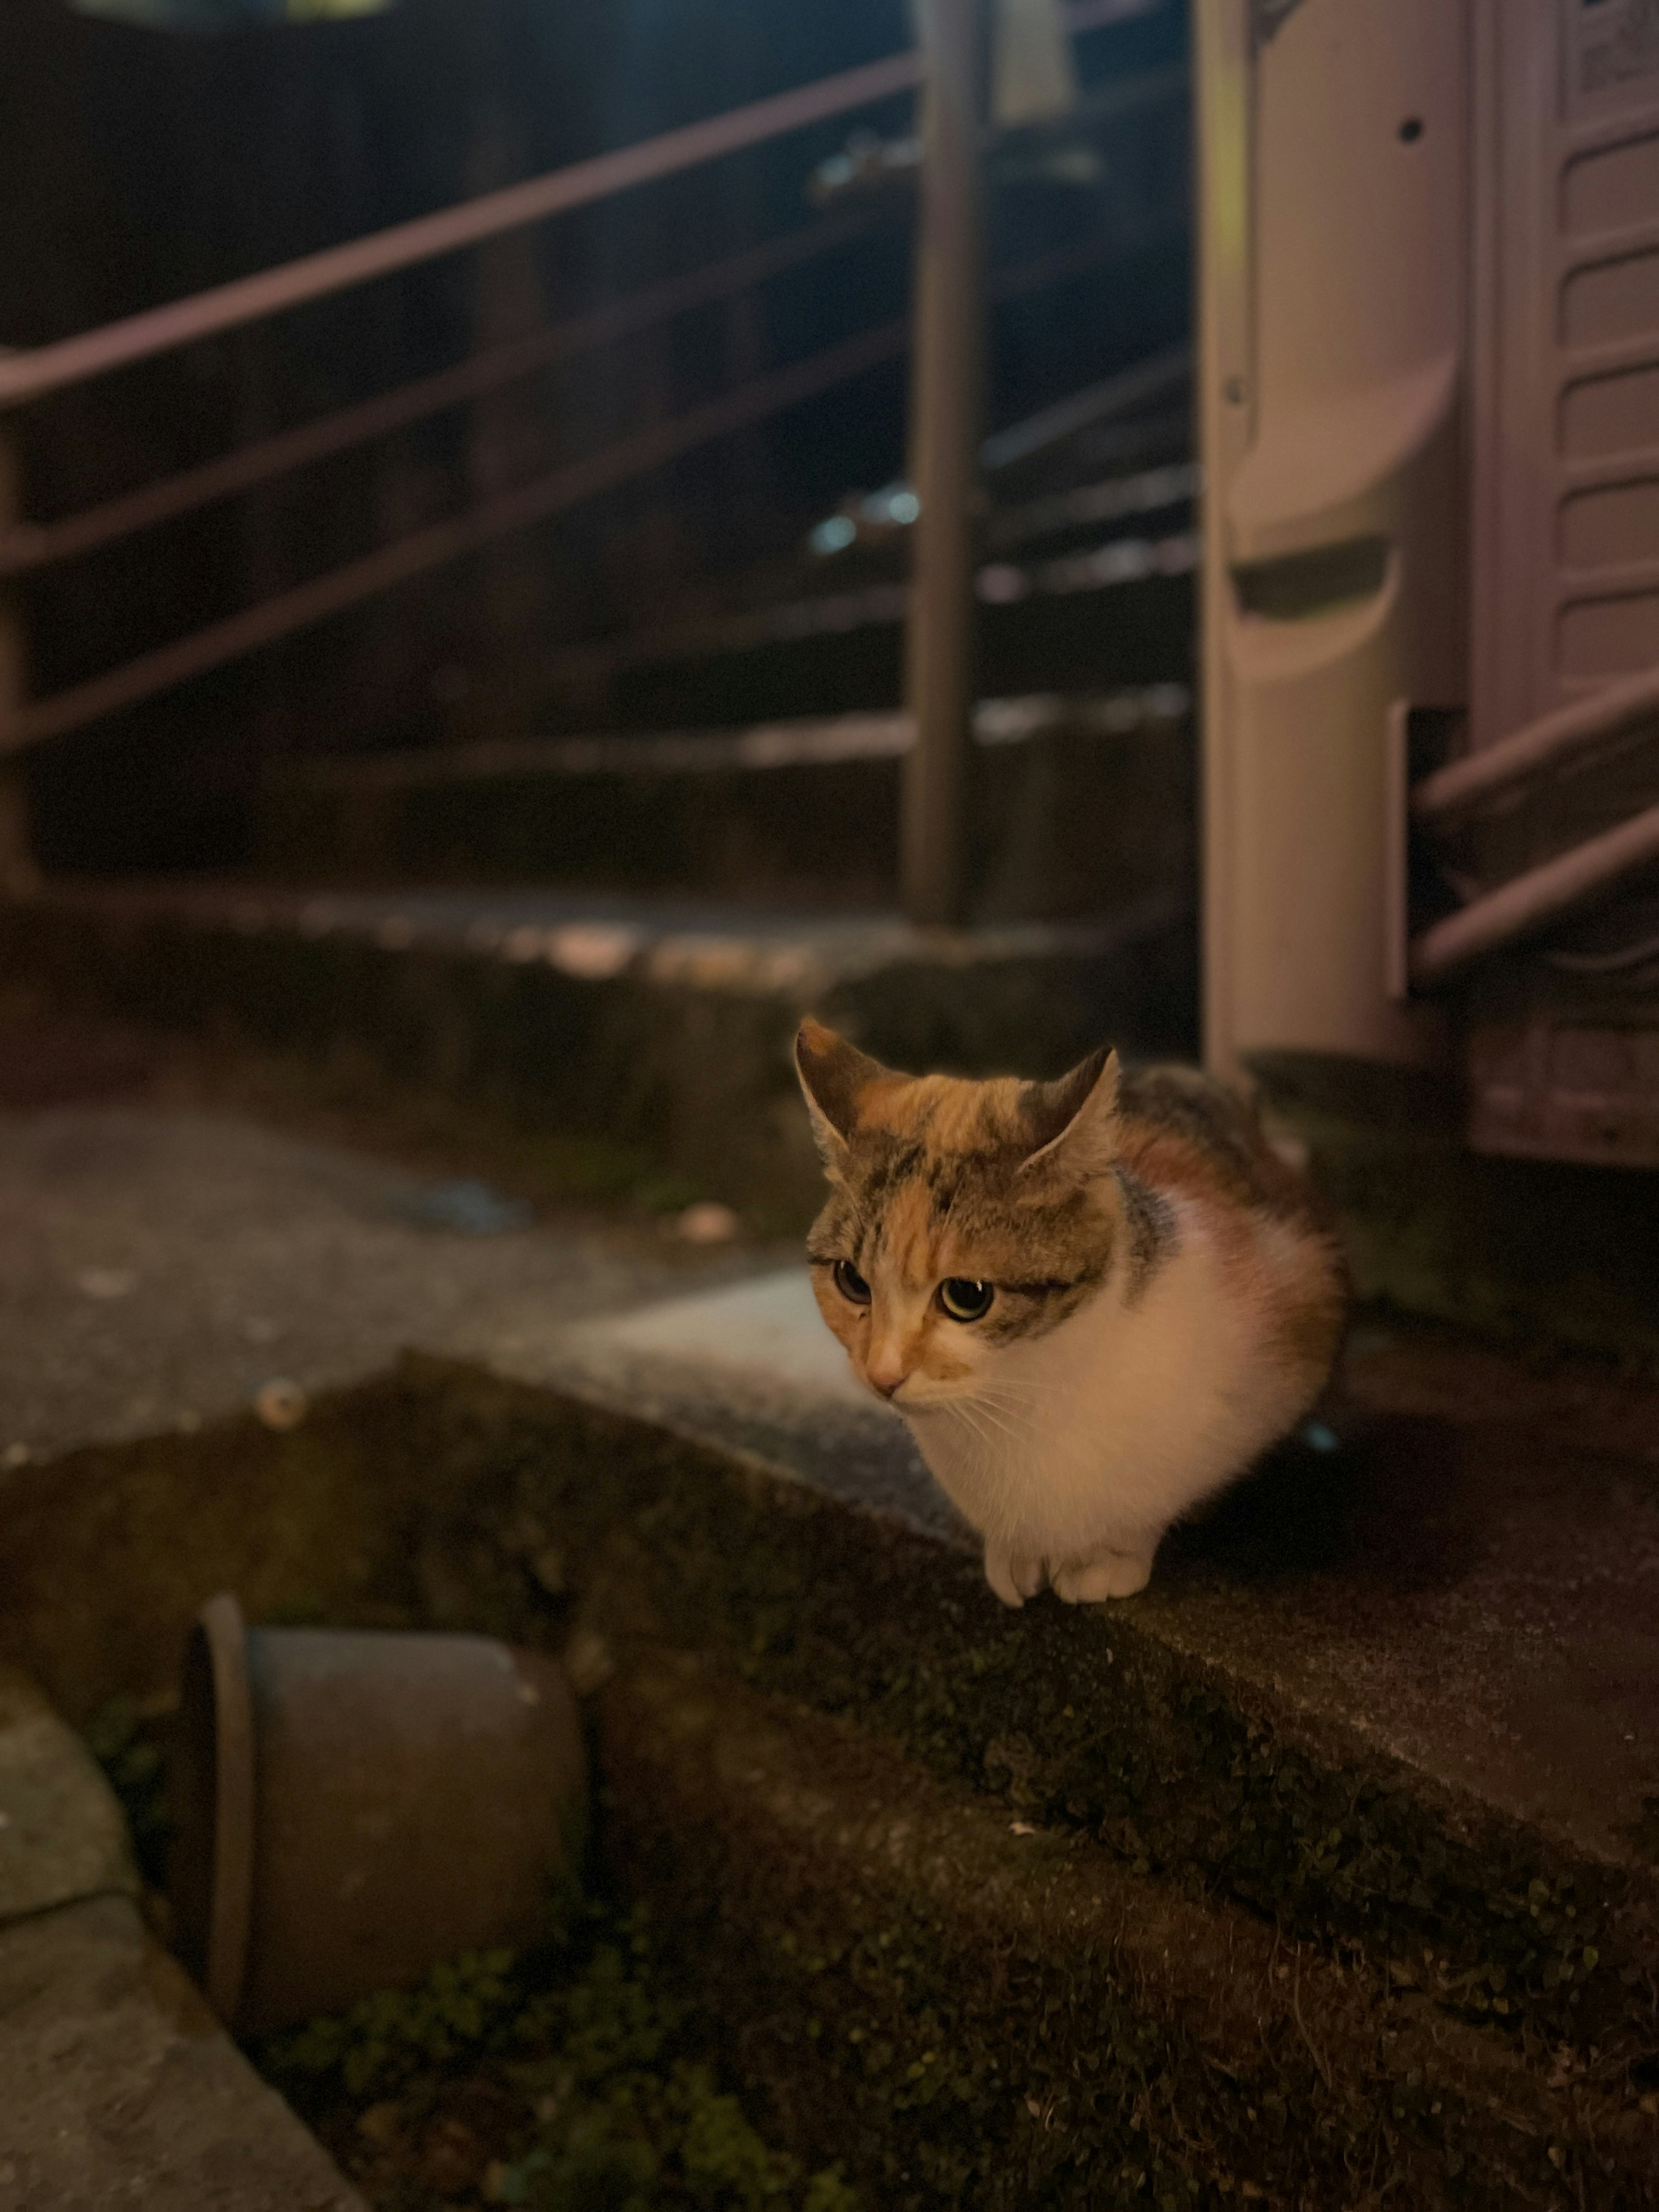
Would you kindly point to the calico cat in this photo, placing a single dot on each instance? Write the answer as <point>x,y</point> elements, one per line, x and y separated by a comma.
<point>1095,1301</point>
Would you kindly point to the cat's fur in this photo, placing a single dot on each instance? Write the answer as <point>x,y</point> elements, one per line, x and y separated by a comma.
<point>1168,1301</point>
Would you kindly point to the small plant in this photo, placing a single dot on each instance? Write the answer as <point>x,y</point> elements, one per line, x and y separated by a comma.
<point>622,2113</point>
<point>134,1768</point>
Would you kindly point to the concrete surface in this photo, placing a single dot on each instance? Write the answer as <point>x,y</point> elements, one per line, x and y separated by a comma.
<point>1471,1581</point>
<point>120,2087</point>
<point>157,1269</point>
<point>62,1836</point>
<point>1472,1584</point>
<point>750,1366</point>
<point>661,1027</point>
<point>116,2084</point>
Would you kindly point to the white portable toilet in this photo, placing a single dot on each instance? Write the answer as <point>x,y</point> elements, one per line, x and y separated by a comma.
<point>1430,425</point>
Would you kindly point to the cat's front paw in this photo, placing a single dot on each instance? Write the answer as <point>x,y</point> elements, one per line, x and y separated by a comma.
<point>1012,1576</point>
<point>1102,1575</point>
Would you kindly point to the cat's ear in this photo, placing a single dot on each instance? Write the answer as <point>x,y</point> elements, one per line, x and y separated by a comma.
<point>1071,1123</point>
<point>832,1074</point>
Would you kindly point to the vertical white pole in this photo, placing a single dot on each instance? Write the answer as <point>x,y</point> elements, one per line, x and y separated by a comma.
<point>947,403</point>
<point>1226,399</point>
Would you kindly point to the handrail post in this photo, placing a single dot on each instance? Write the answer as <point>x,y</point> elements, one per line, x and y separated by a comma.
<point>19,876</point>
<point>946,407</point>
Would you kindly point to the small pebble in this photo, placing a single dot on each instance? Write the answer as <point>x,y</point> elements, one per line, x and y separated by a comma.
<point>588,1663</point>
<point>281,1404</point>
<point>709,1222</point>
<point>107,1282</point>
<point>548,1568</point>
<point>379,2125</point>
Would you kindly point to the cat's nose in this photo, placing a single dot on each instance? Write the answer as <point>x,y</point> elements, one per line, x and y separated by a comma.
<point>886,1370</point>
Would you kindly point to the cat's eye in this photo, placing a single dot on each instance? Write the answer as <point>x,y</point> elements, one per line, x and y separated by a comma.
<point>851,1285</point>
<point>964,1299</point>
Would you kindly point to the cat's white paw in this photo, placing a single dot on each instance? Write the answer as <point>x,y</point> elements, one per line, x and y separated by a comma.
<point>1014,1578</point>
<point>1103,1574</point>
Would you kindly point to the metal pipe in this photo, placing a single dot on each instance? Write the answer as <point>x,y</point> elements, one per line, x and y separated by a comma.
<point>30,375</point>
<point>535,502</point>
<point>947,402</point>
<point>18,874</point>
<point>27,546</point>
<point>1443,798</point>
<point>1129,387</point>
<point>1528,903</point>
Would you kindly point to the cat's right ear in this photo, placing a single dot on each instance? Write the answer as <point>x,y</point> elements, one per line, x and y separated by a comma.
<point>1073,1122</point>
<point>832,1074</point>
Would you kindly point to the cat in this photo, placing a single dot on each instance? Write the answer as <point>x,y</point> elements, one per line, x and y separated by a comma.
<point>1094,1300</point>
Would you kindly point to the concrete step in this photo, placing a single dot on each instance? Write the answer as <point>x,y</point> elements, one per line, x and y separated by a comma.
<point>1351,1731</point>
<point>1456,1593</point>
<point>119,2087</point>
<point>1390,1709</point>
<point>1108,611</point>
<point>663,1026</point>
<point>1077,804</point>
<point>967,2009</point>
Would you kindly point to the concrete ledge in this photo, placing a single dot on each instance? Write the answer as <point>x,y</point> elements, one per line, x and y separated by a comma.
<point>121,2088</point>
<point>966,2007</point>
<point>62,1836</point>
<point>666,1028</point>
<point>1066,795</point>
<point>1397,1741</point>
<point>116,2084</point>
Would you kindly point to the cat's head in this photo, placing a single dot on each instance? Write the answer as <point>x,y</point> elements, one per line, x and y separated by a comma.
<point>962,1218</point>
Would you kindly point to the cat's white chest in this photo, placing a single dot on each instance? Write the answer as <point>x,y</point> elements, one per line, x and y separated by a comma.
<point>1114,1423</point>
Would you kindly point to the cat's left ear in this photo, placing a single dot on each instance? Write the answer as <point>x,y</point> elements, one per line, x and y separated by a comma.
<point>1073,1122</point>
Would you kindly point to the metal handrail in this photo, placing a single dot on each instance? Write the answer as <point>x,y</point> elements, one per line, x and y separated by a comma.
<point>1498,774</point>
<point>546,495</point>
<point>1444,798</point>
<point>27,546</point>
<point>31,375</point>
<point>1528,903</point>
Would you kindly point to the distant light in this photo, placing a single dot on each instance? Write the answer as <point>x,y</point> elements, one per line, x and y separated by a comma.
<point>204,15</point>
<point>1000,585</point>
<point>834,534</point>
<point>904,506</point>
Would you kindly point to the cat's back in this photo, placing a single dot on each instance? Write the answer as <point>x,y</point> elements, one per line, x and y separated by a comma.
<point>1182,1131</point>
<point>1280,1267</point>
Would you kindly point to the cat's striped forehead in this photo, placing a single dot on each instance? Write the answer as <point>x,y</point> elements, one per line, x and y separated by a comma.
<point>930,1186</point>
<point>940,1116</point>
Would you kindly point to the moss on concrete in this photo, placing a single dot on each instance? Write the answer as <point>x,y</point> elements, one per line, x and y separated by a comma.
<point>591,2066</point>
<point>692,1076</point>
<point>428,1498</point>
<point>980,2012</point>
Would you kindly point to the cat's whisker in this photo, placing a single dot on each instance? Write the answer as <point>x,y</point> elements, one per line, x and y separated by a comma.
<point>956,1408</point>
<point>1052,1441</point>
<point>994,1415</point>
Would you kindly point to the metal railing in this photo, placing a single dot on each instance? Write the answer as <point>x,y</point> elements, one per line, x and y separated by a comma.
<point>1499,775</point>
<point>946,382</point>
